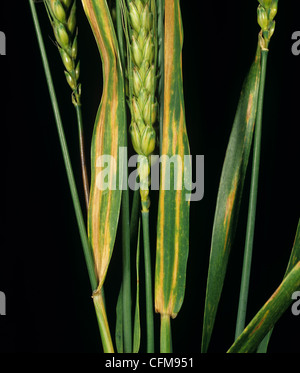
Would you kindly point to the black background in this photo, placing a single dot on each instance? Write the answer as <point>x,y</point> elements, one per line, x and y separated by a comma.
<point>42,269</point>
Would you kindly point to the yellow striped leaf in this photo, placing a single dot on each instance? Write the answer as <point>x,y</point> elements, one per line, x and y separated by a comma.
<point>294,258</point>
<point>173,212</point>
<point>229,195</point>
<point>269,314</point>
<point>108,137</point>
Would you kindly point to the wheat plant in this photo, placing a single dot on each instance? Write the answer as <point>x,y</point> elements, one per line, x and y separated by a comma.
<point>143,107</point>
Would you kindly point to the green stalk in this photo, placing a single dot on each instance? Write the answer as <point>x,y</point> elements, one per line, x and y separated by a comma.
<point>99,303</point>
<point>137,316</point>
<point>85,178</point>
<point>126,282</point>
<point>244,290</point>
<point>104,331</point>
<point>266,13</point>
<point>148,283</point>
<point>135,216</point>
<point>165,334</point>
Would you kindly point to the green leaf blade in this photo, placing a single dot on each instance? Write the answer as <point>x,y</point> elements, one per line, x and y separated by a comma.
<point>269,314</point>
<point>173,214</point>
<point>108,139</point>
<point>294,258</point>
<point>229,195</point>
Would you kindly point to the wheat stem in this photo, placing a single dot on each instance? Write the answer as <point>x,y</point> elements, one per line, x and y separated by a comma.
<point>84,173</point>
<point>134,217</point>
<point>165,334</point>
<point>244,290</point>
<point>265,17</point>
<point>148,282</point>
<point>266,12</point>
<point>126,281</point>
<point>99,304</point>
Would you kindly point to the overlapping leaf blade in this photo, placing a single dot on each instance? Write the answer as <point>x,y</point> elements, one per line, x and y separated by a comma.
<point>269,314</point>
<point>294,258</point>
<point>229,195</point>
<point>108,137</point>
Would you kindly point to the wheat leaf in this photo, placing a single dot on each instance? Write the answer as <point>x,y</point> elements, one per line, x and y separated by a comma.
<point>269,314</point>
<point>229,195</point>
<point>173,213</point>
<point>108,137</point>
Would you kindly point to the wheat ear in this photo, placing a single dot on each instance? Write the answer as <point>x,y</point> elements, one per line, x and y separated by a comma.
<point>142,87</point>
<point>62,15</point>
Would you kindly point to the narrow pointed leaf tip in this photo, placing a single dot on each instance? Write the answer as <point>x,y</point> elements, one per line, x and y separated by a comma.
<point>295,255</point>
<point>229,195</point>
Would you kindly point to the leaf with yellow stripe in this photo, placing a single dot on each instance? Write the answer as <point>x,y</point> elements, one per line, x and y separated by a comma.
<point>229,195</point>
<point>294,258</point>
<point>269,314</point>
<point>173,211</point>
<point>108,137</point>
